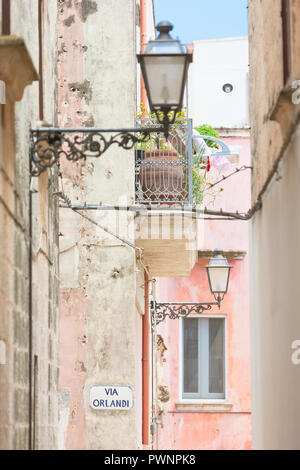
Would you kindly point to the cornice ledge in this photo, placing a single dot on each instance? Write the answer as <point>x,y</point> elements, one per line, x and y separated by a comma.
<point>285,111</point>
<point>230,254</point>
<point>17,69</point>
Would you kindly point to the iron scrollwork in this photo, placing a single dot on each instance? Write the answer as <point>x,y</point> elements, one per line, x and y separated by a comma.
<point>49,144</point>
<point>160,311</point>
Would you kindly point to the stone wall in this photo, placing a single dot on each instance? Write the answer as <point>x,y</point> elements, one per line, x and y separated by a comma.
<point>29,290</point>
<point>269,131</point>
<point>97,87</point>
<point>275,229</point>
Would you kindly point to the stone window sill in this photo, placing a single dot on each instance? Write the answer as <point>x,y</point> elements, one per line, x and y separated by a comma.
<point>204,406</point>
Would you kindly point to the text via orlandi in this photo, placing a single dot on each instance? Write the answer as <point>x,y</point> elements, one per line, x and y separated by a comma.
<point>111,397</point>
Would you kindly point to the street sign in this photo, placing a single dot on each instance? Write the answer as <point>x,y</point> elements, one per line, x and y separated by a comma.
<point>111,397</point>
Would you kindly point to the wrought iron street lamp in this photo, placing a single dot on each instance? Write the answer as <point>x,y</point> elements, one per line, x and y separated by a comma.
<point>218,271</point>
<point>164,67</point>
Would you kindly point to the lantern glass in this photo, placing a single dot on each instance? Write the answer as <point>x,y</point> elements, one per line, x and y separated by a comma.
<point>165,77</point>
<point>218,271</point>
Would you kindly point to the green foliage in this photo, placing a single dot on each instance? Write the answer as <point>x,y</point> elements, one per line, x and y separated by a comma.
<point>143,113</point>
<point>205,129</point>
<point>198,186</point>
<point>198,177</point>
<point>200,181</point>
<point>154,140</point>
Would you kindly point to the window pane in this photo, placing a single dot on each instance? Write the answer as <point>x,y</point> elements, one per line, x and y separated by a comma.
<point>190,355</point>
<point>164,79</point>
<point>216,356</point>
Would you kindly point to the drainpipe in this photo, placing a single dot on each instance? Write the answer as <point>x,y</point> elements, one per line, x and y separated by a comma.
<point>30,328</point>
<point>143,38</point>
<point>146,365</point>
<point>146,322</point>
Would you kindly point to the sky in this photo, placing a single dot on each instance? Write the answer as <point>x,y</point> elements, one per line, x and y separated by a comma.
<point>203,19</point>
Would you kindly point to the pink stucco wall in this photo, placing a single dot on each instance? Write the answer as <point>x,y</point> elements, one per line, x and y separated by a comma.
<point>73,338</point>
<point>72,325</point>
<point>228,428</point>
<point>235,196</point>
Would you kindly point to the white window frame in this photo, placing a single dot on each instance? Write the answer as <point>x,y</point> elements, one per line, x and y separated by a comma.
<point>203,400</point>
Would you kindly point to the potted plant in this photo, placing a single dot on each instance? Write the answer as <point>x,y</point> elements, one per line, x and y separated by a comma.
<point>163,168</point>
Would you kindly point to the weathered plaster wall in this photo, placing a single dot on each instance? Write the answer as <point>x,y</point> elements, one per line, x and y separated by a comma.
<point>233,194</point>
<point>275,310</point>
<point>97,87</point>
<point>275,229</point>
<point>222,424</point>
<point>14,270</point>
<point>7,289</point>
<point>266,83</point>
<point>216,426</point>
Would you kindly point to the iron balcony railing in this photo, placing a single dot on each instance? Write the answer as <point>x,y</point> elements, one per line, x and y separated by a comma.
<point>163,167</point>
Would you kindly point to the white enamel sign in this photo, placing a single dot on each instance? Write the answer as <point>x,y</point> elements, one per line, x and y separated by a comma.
<point>111,397</point>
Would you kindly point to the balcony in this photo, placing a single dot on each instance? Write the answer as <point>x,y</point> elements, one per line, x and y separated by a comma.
<point>163,181</point>
<point>163,167</point>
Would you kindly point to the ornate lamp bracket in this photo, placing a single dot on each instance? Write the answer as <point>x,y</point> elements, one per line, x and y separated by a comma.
<point>160,311</point>
<point>48,144</point>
